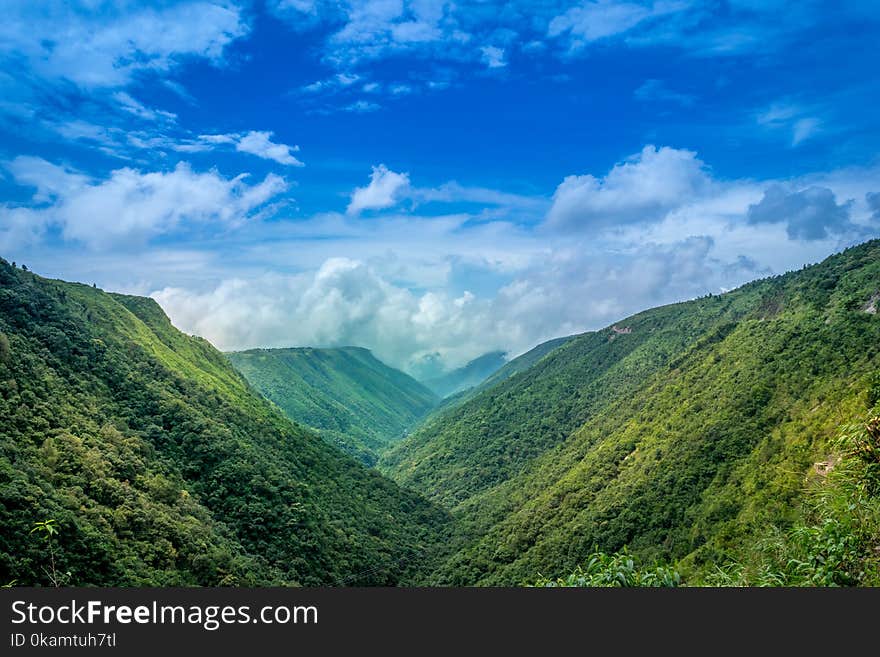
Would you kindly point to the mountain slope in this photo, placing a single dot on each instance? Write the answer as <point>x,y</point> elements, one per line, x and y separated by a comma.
<point>354,400</point>
<point>677,432</point>
<point>523,362</point>
<point>467,376</point>
<point>161,466</point>
<point>511,368</point>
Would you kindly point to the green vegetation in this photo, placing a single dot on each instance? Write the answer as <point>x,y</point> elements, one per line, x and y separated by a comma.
<point>702,435</point>
<point>682,432</point>
<point>352,399</point>
<point>837,543</point>
<point>467,376</point>
<point>618,569</point>
<point>510,368</point>
<point>523,362</point>
<point>156,463</point>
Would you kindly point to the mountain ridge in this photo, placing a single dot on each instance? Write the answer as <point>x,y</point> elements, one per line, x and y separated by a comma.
<point>159,465</point>
<point>349,396</point>
<point>647,438</point>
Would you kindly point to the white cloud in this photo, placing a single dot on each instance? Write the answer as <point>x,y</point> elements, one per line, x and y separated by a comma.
<point>254,142</point>
<point>642,188</point>
<point>340,80</point>
<point>791,119</point>
<point>493,56</point>
<point>453,192</point>
<point>362,107</point>
<point>803,129</point>
<point>662,229</point>
<point>50,180</point>
<point>700,243</point>
<point>592,21</point>
<point>138,109</point>
<point>133,207</point>
<point>106,48</point>
<point>348,302</point>
<point>261,145</point>
<point>384,191</point>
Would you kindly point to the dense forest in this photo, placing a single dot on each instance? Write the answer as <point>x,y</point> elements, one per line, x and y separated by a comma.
<point>681,433</point>
<point>353,400</point>
<point>132,454</point>
<point>729,440</point>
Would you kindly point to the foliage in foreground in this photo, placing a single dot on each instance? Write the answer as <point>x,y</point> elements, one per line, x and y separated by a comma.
<point>618,569</point>
<point>836,544</point>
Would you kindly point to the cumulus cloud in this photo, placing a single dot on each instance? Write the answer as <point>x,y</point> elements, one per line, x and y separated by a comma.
<point>662,229</point>
<point>348,302</point>
<point>644,187</point>
<point>132,206</point>
<point>384,191</point>
<point>808,214</point>
<point>106,48</point>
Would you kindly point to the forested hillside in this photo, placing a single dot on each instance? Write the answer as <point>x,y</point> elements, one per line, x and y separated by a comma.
<point>155,463</point>
<point>467,376</point>
<point>523,362</point>
<point>519,364</point>
<point>354,400</point>
<point>694,436</point>
<point>682,432</point>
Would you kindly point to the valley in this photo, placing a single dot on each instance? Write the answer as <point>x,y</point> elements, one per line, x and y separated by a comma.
<point>683,436</point>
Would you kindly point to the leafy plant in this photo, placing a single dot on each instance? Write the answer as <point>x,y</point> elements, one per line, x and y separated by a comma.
<point>47,531</point>
<point>620,569</point>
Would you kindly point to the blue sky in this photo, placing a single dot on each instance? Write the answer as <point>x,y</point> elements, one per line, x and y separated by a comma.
<point>432,177</point>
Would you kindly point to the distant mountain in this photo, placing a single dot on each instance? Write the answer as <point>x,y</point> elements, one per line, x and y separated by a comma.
<point>523,362</point>
<point>157,464</point>
<point>512,367</point>
<point>679,433</point>
<point>467,376</point>
<point>354,400</point>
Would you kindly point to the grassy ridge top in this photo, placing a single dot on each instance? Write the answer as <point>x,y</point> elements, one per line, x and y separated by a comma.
<point>161,466</point>
<point>351,397</point>
<point>678,431</point>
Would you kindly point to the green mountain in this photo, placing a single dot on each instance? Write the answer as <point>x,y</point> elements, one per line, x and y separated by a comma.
<point>467,376</point>
<point>681,433</point>
<point>523,362</point>
<point>519,364</point>
<point>354,400</point>
<point>157,464</point>
<point>512,367</point>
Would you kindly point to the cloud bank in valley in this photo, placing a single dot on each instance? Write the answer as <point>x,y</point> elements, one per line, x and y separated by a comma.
<point>656,228</point>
